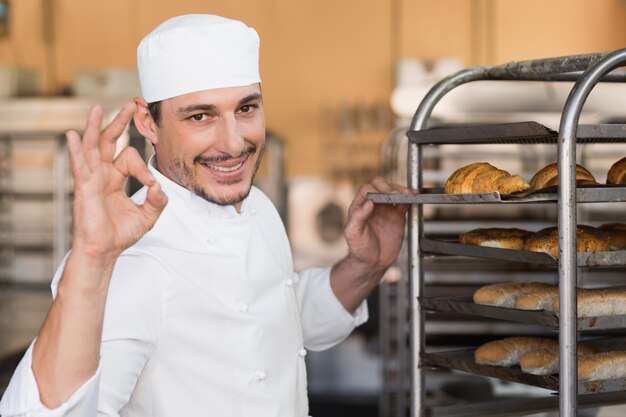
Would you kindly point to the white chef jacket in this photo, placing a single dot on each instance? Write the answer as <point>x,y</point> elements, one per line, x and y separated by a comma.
<point>204,317</point>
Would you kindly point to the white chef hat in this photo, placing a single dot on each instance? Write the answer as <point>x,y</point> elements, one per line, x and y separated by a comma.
<point>197,52</point>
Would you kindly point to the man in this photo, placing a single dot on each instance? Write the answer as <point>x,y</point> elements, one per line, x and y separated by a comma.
<point>204,315</point>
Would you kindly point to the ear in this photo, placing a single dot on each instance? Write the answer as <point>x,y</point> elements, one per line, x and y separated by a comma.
<point>144,122</point>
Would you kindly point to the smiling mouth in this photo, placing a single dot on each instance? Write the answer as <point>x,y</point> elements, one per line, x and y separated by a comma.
<point>224,164</point>
<point>225,169</point>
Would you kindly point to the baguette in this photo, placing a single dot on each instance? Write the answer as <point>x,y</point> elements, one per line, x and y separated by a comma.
<point>538,300</point>
<point>617,235</point>
<point>588,239</point>
<point>545,361</point>
<point>495,237</point>
<point>605,365</point>
<point>505,294</point>
<point>597,303</point>
<point>507,352</point>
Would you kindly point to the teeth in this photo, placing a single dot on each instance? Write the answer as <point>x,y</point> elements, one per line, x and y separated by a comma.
<point>226,169</point>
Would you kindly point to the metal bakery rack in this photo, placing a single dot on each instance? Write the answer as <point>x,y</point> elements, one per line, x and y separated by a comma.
<point>585,71</point>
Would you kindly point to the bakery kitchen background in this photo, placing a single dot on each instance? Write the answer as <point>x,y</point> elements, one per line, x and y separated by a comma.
<point>338,117</point>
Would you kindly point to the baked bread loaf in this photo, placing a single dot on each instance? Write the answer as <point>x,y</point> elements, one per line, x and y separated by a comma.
<point>545,361</point>
<point>605,365</point>
<point>548,176</point>
<point>482,177</point>
<point>617,235</point>
<point>617,172</point>
<point>538,300</point>
<point>588,239</point>
<point>505,294</point>
<point>508,351</point>
<point>598,302</point>
<point>496,237</point>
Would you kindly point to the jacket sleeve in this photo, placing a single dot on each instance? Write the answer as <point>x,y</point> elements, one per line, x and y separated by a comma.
<point>132,323</point>
<point>21,399</point>
<point>325,322</point>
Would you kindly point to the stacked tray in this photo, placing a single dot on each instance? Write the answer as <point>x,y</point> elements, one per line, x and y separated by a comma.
<point>463,360</point>
<point>522,132</point>
<point>584,259</point>
<point>465,305</point>
<point>584,194</point>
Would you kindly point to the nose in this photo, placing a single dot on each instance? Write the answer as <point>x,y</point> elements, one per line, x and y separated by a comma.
<point>230,140</point>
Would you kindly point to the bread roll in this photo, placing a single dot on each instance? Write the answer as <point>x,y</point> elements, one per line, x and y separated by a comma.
<point>548,177</point>
<point>496,237</point>
<point>507,352</point>
<point>588,239</point>
<point>505,294</point>
<point>617,235</point>
<point>482,177</point>
<point>545,361</point>
<point>461,180</point>
<point>538,300</point>
<point>617,173</point>
<point>597,303</point>
<point>605,365</point>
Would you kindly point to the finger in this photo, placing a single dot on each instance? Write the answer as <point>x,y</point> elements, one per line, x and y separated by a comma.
<point>378,185</point>
<point>358,217</point>
<point>155,202</point>
<point>91,136</point>
<point>381,185</point>
<point>130,163</point>
<point>78,163</point>
<point>114,130</point>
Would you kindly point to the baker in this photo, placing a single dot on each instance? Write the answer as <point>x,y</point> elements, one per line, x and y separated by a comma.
<point>182,300</point>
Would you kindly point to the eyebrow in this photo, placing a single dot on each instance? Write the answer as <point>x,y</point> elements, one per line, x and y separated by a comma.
<point>211,107</point>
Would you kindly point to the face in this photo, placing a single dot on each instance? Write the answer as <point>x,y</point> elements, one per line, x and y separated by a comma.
<point>211,142</point>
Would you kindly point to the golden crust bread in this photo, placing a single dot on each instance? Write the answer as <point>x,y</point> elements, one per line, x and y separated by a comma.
<point>507,352</point>
<point>511,184</point>
<point>482,177</point>
<point>605,365</point>
<point>486,181</point>
<point>505,294</point>
<point>495,237</point>
<point>617,235</point>
<point>617,173</point>
<point>545,361</point>
<point>588,239</point>
<point>598,302</point>
<point>460,182</point>
<point>538,300</point>
<point>548,177</point>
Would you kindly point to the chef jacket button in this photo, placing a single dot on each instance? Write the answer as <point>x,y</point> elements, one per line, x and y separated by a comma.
<point>302,353</point>
<point>253,212</point>
<point>243,307</point>
<point>260,375</point>
<point>211,240</point>
<point>289,282</point>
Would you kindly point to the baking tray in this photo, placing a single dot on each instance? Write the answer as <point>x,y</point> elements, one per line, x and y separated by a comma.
<point>520,132</point>
<point>584,194</point>
<point>520,406</point>
<point>585,259</point>
<point>463,360</point>
<point>465,305</point>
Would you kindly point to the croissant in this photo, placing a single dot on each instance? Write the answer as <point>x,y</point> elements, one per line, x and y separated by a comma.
<point>617,173</point>
<point>548,176</point>
<point>482,177</point>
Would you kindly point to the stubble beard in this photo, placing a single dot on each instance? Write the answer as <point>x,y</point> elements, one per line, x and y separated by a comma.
<point>187,174</point>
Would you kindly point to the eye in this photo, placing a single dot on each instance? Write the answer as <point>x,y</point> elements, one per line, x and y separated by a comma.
<point>247,108</point>
<point>199,117</point>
